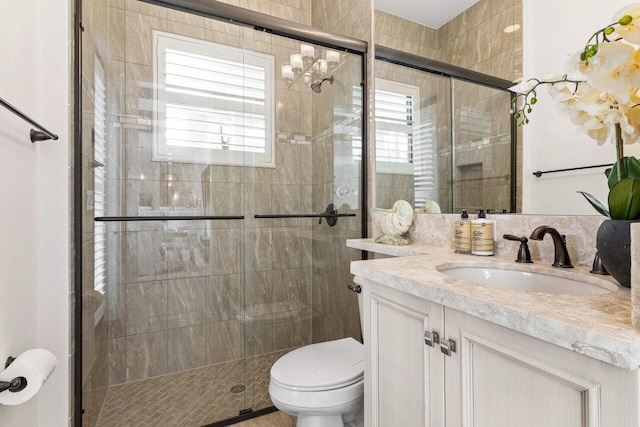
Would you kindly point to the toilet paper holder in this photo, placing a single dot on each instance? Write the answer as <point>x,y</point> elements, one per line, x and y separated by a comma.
<point>15,385</point>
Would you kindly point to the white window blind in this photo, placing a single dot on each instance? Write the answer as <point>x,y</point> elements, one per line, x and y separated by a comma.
<point>424,160</point>
<point>394,127</point>
<point>397,116</point>
<point>213,103</point>
<point>405,141</point>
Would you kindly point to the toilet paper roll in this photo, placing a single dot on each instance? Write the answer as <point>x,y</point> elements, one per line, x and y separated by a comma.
<point>36,366</point>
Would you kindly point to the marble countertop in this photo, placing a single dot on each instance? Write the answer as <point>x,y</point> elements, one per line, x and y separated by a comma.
<point>598,326</point>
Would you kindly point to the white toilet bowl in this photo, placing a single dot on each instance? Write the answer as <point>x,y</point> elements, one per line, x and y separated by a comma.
<point>321,384</point>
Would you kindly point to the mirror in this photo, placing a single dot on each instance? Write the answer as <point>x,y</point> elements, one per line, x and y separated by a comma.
<point>440,138</point>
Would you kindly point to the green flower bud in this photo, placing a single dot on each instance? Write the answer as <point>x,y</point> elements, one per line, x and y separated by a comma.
<point>514,99</point>
<point>533,100</point>
<point>517,115</point>
<point>625,20</point>
<point>583,56</point>
<point>526,121</point>
<point>529,110</point>
<point>609,31</point>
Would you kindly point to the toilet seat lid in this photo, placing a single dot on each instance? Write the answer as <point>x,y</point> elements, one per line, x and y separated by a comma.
<point>322,366</point>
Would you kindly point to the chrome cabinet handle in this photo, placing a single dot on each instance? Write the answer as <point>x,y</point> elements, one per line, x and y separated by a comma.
<point>447,346</point>
<point>431,338</point>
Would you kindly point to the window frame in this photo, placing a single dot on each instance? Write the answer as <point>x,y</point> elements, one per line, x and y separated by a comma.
<point>163,153</point>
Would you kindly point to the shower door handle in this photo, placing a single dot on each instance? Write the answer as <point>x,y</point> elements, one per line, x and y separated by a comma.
<point>330,214</point>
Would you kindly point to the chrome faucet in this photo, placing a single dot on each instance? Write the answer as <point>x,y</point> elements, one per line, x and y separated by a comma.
<point>561,255</point>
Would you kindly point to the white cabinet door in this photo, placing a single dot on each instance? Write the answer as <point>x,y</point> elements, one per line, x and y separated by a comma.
<point>404,384</point>
<point>502,378</point>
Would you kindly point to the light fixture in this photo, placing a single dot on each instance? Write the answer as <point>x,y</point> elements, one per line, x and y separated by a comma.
<point>287,73</point>
<point>512,28</point>
<point>310,64</point>
<point>308,54</point>
<point>296,62</point>
<point>333,58</point>
<point>321,66</point>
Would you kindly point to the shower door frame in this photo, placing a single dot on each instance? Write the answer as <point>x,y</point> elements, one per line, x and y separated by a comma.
<point>226,13</point>
<point>453,72</point>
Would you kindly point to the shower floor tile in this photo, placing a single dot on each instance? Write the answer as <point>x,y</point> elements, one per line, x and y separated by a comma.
<point>191,398</point>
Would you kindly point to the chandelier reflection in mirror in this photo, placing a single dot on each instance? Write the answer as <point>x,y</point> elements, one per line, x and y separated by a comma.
<point>310,63</point>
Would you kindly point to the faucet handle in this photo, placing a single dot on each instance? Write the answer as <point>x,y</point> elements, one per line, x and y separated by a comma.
<point>524,255</point>
<point>598,266</point>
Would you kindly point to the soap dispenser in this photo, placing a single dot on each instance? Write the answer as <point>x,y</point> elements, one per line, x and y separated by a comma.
<point>482,235</point>
<point>462,234</point>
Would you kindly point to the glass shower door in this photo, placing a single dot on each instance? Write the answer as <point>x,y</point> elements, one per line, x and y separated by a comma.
<point>190,130</point>
<point>164,323</point>
<point>297,265</point>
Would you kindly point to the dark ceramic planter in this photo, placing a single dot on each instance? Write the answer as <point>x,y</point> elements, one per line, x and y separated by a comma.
<point>614,246</point>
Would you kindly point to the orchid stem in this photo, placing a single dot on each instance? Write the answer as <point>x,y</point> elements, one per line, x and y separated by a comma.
<point>622,171</point>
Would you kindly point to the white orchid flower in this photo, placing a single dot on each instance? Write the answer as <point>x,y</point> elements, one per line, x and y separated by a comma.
<point>562,91</point>
<point>596,103</point>
<point>610,56</point>
<point>550,77</point>
<point>613,55</point>
<point>523,86</point>
<point>577,69</point>
<point>600,91</point>
<point>600,135</point>
<point>631,31</point>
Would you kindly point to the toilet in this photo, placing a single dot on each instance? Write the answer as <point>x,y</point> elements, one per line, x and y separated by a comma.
<point>322,384</point>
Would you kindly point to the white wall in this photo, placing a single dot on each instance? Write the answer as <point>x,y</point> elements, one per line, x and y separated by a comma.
<point>552,31</point>
<point>34,212</point>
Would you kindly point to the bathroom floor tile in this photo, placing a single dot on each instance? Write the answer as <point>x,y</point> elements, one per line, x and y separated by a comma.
<point>275,419</point>
<point>193,398</point>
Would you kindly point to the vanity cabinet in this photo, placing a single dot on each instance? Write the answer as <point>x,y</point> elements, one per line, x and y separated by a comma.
<point>496,377</point>
<point>406,381</point>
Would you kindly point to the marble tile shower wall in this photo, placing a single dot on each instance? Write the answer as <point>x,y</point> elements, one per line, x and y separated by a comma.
<point>175,292</point>
<point>475,39</point>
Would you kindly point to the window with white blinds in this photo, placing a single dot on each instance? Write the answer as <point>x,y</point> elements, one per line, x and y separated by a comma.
<point>397,118</point>
<point>213,103</point>
<point>424,160</point>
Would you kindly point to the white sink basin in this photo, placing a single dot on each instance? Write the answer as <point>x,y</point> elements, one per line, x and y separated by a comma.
<point>526,281</point>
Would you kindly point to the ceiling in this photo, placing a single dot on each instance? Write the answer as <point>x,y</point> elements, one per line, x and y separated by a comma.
<point>432,13</point>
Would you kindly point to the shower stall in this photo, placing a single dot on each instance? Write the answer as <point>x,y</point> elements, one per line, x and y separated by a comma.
<point>222,172</point>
